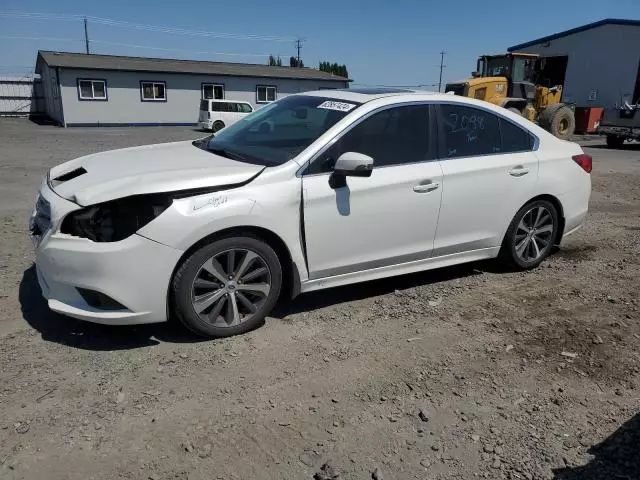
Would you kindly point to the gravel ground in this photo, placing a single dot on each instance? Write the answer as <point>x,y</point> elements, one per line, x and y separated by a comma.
<point>463,372</point>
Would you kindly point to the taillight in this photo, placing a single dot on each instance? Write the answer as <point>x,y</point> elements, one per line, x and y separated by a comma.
<point>584,160</point>
<point>209,115</point>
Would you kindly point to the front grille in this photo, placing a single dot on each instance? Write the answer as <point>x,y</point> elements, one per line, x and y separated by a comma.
<point>41,218</point>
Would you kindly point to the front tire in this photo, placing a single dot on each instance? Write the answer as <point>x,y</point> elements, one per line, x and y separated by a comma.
<point>227,287</point>
<point>530,236</point>
<point>217,126</point>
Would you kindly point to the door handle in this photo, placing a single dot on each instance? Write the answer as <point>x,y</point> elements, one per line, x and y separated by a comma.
<point>518,171</point>
<point>426,187</point>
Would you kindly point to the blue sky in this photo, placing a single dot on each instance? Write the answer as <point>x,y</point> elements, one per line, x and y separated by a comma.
<point>381,42</point>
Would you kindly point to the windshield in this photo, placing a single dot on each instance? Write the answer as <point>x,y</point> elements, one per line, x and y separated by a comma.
<point>497,67</point>
<point>523,69</point>
<point>276,133</point>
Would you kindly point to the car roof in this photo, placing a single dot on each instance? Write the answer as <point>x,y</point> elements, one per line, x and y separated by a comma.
<point>362,95</point>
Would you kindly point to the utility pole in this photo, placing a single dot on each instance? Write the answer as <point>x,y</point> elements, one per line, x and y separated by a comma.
<point>442,65</point>
<point>86,36</point>
<point>298,45</point>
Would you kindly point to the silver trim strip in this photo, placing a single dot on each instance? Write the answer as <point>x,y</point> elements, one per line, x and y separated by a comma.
<point>370,265</point>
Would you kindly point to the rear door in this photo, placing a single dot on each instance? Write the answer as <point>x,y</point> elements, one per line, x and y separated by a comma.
<point>489,171</point>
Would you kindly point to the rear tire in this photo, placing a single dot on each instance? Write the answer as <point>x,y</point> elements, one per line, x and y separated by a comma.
<point>217,126</point>
<point>227,287</point>
<point>614,141</point>
<point>530,236</point>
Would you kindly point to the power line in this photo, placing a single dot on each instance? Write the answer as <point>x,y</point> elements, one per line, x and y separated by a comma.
<point>20,37</point>
<point>119,44</point>
<point>147,27</point>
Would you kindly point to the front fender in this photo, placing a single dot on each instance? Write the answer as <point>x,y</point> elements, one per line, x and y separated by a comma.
<point>274,207</point>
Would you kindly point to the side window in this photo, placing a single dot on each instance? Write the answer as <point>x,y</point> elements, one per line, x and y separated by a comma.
<point>212,91</point>
<point>92,89</point>
<point>394,136</point>
<point>468,131</point>
<point>245,108</point>
<point>514,138</point>
<point>153,91</point>
<point>216,106</point>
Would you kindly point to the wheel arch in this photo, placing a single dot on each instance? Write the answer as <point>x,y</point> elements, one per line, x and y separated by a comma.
<point>290,275</point>
<point>558,206</point>
<point>519,103</point>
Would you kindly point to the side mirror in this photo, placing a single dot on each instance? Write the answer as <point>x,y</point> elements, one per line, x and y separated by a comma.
<point>353,164</point>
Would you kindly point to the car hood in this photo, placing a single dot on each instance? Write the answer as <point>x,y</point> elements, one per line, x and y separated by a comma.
<point>165,167</point>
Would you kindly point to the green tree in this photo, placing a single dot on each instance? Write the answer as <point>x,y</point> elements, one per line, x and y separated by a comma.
<point>272,60</point>
<point>339,70</point>
<point>293,62</point>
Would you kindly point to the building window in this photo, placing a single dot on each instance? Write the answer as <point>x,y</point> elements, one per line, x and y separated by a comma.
<point>153,91</point>
<point>265,94</point>
<point>92,89</point>
<point>212,91</point>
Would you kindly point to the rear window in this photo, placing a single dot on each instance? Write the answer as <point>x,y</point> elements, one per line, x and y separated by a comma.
<point>204,105</point>
<point>514,138</point>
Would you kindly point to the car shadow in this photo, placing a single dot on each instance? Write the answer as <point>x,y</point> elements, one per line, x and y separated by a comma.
<point>91,336</point>
<point>618,456</point>
<point>308,302</point>
<point>68,331</point>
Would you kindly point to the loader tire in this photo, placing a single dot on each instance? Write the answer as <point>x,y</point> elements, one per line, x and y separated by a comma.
<point>559,120</point>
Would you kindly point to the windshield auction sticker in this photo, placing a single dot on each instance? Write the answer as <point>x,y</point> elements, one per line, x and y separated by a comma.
<point>339,106</point>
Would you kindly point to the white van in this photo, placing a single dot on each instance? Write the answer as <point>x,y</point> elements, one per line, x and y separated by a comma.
<point>217,114</point>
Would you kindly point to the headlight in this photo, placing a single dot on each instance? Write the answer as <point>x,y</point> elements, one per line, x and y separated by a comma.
<point>117,219</point>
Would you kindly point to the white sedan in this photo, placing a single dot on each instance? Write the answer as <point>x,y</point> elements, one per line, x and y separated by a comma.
<point>313,191</point>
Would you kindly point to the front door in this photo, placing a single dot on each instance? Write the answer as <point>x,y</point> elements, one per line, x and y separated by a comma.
<point>385,219</point>
<point>489,172</point>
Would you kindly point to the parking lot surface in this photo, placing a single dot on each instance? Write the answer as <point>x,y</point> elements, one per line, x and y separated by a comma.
<point>463,372</point>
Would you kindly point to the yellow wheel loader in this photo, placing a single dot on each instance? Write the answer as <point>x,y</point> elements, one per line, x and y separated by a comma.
<point>517,81</point>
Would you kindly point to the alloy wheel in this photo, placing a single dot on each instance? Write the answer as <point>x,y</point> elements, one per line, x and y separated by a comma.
<point>230,287</point>
<point>533,236</point>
